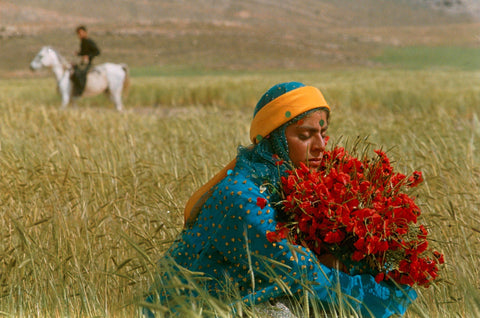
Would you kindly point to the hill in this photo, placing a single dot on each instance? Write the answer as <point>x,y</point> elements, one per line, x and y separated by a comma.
<point>231,35</point>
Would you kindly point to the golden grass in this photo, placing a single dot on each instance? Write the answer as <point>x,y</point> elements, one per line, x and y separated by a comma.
<point>90,198</point>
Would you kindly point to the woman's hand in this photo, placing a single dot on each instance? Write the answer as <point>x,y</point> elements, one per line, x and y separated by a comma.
<point>331,261</point>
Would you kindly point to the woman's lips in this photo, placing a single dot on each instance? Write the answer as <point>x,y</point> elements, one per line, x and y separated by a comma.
<point>314,162</point>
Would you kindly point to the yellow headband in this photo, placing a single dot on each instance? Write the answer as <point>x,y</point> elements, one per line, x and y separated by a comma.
<point>271,116</point>
<point>284,108</point>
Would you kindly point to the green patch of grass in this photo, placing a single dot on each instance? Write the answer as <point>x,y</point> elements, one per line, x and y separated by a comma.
<point>422,57</point>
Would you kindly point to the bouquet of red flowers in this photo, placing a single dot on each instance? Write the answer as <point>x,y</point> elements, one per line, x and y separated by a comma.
<point>359,211</point>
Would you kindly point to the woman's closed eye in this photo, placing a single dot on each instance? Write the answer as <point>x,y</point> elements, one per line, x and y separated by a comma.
<point>304,136</point>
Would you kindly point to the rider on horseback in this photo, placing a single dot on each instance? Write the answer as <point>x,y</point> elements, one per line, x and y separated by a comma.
<point>88,50</point>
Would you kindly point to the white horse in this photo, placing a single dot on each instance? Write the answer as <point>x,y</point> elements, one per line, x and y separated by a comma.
<point>108,77</point>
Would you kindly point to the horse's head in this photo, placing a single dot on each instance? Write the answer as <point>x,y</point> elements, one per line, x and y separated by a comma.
<point>47,57</point>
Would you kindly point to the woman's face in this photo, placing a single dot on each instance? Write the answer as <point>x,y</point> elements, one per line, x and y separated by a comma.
<point>306,139</point>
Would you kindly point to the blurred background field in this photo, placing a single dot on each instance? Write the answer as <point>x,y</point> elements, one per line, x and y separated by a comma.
<point>90,198</point>
<point>171,37</point>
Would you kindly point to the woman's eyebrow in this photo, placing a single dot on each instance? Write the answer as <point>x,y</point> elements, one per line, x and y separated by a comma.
<point>305,127</point>
<point>311,128</point>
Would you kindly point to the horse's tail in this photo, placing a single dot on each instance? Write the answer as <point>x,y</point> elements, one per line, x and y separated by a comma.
<point>126,81</point>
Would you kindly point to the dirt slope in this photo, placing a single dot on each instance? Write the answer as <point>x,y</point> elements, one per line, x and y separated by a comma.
<point>229,34</point>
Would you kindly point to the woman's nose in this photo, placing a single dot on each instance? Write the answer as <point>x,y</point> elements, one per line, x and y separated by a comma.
<point>318,144</point>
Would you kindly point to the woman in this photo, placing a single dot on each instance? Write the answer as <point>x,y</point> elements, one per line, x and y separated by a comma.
<point>223,248</point>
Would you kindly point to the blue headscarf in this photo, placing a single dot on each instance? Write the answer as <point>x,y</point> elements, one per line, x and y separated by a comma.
<point>262,157</point>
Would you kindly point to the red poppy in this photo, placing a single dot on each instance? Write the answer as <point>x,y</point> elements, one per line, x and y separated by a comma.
<point>261,202</point>
<point>359,207</point>
<point>415,179</point>
<point>379,277</point>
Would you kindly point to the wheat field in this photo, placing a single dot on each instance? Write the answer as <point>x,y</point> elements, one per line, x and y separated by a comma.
<point>91,198</point>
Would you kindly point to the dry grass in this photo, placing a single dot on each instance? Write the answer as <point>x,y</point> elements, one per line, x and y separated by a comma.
<point>89,198</point>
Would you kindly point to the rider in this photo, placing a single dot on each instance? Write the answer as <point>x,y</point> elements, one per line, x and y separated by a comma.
<point>88,50</point>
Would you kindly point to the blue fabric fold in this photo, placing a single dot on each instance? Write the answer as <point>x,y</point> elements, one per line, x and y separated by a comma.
<point>228,247</point>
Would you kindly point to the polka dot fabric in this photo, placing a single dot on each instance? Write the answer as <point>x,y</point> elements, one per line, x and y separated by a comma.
<point>228,246</point>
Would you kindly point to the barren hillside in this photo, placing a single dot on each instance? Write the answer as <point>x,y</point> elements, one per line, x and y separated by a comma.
<point>228,34</point>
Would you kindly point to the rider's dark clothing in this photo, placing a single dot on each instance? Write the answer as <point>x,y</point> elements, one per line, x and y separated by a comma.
<point>89,48</point>
<point>79,77</point>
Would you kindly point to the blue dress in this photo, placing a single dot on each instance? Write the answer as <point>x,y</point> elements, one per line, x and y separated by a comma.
<point>228,248</point>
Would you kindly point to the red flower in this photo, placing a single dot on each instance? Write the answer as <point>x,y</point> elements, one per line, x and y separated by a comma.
<point>358,210</point>
<point>415,179</point>
<point>261,202</point>
<point>358,256</point>
<point>334,237</point>
<point>379,277</point>
<point>272,236</point>
<point>439,257</point>
<point>277,160</point>
<point>280,233</point>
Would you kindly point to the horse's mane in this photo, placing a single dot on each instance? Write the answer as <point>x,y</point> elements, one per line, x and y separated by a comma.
<point>62,60</point>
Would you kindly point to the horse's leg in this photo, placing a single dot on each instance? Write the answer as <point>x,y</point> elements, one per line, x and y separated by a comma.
<point>115,78</point>
<point>115,90</point>
<point>65,91</point>
<point>65,100</point>
<point>116,97</point>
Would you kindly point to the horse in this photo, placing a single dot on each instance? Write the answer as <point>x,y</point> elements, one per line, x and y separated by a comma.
<point>108,78</point>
